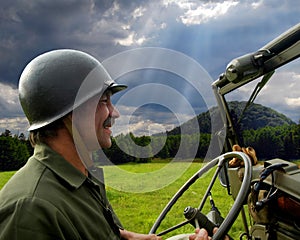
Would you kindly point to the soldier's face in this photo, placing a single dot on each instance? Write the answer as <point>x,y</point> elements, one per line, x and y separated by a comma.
<point>105,115</point>
<point>96,131</point>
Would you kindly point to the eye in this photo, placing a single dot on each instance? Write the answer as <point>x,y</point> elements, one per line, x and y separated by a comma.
<point>104,100</point>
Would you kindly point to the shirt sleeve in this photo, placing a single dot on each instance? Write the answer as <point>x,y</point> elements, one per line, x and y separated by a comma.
<point>33,218</point>
<point>115,218</point>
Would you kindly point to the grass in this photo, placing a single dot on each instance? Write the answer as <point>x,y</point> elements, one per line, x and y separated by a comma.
<point>138,211</point>
<point>4,177</point>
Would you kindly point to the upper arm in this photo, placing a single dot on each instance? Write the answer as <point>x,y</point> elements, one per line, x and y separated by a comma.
<point>33,218</point>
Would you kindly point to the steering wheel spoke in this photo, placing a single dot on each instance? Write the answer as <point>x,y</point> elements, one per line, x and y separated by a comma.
<point>235,209</point>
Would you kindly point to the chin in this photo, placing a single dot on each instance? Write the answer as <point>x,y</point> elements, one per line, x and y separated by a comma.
<point>105,144</point>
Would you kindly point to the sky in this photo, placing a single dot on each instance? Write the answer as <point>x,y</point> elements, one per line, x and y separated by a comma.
<point>168,52</point>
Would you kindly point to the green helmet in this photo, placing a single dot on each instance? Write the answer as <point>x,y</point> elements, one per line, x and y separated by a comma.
<point>49,85</point>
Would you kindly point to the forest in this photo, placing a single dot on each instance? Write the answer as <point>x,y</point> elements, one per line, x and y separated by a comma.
<point>269,142</point>
<point>14,151</point>
<point>270,133</point>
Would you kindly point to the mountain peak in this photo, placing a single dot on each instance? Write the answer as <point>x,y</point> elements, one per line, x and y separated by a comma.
<point>255,117</point>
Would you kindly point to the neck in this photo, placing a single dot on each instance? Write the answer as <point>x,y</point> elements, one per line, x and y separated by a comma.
<point>64,145</point>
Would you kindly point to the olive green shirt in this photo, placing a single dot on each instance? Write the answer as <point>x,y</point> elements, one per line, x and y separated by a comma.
<point>50,199</point>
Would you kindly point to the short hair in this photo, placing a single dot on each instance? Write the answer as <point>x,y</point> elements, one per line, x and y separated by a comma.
<point>41,135</point>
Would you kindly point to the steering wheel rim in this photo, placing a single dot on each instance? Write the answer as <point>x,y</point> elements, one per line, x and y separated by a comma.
<point>239,200</point>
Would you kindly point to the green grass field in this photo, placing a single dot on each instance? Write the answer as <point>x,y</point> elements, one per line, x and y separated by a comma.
<point>138,211</point>
<point>4,176</point>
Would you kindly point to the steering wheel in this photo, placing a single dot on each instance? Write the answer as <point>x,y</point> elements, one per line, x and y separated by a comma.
<point>220,161</point>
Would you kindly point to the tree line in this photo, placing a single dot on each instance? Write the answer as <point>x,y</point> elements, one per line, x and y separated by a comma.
<point>269,142</point>
<point>14,151</point>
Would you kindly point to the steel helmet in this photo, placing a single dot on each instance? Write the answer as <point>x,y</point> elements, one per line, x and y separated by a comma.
<point>49,85</point>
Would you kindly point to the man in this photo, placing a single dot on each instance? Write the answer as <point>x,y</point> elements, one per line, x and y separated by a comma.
<point>58,194</point>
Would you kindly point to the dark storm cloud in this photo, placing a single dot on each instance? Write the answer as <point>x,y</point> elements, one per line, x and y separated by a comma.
<point>29,28</point>
<point>246,26</point>
<point>211,32</point>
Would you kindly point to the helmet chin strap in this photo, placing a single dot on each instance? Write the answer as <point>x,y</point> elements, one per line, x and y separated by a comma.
<point>79,144</point>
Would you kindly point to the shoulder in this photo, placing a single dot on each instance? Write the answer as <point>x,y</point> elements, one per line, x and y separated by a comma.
<point>23,183</point>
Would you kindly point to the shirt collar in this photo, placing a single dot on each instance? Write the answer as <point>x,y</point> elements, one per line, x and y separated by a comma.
<point>57,164</point>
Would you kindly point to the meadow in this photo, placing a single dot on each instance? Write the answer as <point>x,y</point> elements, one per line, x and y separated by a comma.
<point>138,211</point>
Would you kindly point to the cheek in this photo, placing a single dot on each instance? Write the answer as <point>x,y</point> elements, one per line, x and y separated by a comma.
<point>101,115</point>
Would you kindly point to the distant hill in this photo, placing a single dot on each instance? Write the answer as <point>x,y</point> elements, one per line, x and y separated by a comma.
<point>255,117</point>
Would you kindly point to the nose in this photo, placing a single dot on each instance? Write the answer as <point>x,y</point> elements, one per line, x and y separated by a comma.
<point>114,113</point>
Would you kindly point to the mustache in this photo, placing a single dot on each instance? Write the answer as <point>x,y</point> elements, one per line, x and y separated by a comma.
<point>109,122</point>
